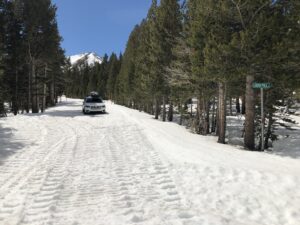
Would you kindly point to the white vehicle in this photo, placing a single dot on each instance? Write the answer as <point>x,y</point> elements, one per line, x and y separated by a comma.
<point>93,104</point>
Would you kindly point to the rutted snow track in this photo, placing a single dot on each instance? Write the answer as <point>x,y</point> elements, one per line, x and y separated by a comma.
<point>71,169</point>
<point>84,170</point>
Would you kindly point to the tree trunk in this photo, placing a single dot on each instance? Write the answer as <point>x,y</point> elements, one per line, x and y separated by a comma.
<point>44,91</point>
<point>151,108</point>
<point>199,121</point>
<point>52,95</point>
<point>55,96</point>
<point>15,97</point>
<point>238,106</point>
<point>22,105</point>
<point>217,118</point>
<point>230,105</point>
<point>170,112</point>
<point>191,108</point>
<point>157,108</point>
<point>269,130</point>
<point>35,102</point>
<point>28,103</point>
<point>181,113</point>
<point>206,121</point>
<point>2,108</point>
<point>164,109</point>
<point>243,105</point>
<point>213,117</point>
<point>249,138</point>
<point>52,91</point>
<point>222,113</point>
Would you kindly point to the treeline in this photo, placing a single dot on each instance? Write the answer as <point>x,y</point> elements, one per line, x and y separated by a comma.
<point>31,58</point>
<point>213,50</point>
<point>83,78</point>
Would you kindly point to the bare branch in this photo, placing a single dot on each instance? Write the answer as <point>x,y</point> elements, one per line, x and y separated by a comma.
<point>240,14</point>
<point>259,9</point>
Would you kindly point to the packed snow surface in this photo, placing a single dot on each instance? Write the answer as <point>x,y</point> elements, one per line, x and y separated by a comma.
<point>124,167</point>
<point>90,58</point>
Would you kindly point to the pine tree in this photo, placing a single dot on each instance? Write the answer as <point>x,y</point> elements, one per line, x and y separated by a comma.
<point>14,48</point>
<point>103,76</point>
<point>263,28</point>
<point>40,31</point>
<point>32,73</point>
<point>2,110</point>
<point>211,50</point>
<point>220,57</point>
<point>169,22</point>
<point>143,94</point>
<point>113,71</point>
<point>156,81</point>
<point>199,22</point>
<point>179,76</point>
<point>125,84</point>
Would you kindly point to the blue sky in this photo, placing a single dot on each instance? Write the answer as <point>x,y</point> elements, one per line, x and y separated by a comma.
<point>101,26</point>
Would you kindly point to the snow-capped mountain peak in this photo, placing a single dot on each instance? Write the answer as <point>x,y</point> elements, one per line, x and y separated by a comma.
<point>89,58</point>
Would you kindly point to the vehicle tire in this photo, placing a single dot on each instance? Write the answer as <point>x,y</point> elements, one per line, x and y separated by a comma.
<point>83,111</point>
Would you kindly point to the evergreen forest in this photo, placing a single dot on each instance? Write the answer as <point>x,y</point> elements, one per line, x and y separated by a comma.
<point>31,58</point>
<point>206,52</point>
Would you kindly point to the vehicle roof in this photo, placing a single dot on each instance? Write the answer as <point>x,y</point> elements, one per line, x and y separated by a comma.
<point>93,96</point>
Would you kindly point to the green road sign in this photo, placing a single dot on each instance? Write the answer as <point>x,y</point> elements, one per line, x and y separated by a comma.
<point>261,85</point>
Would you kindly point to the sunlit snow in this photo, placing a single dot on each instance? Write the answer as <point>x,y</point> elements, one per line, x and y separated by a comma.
<point>124,167</point>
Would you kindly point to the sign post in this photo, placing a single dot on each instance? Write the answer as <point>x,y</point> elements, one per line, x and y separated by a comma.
<point>262,86</point>
<point>262,119</point>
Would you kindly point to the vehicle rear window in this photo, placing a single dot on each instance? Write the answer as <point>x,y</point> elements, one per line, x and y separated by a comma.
<point>94,100</point>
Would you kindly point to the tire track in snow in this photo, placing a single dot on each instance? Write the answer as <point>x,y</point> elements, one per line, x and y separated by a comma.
<point>139,177</point>
<point>100,170</point>
<point>17,163</point>
<point>42,206</point>
<point>116,176</point>
<point>81,196</point>
<point>31,181</point>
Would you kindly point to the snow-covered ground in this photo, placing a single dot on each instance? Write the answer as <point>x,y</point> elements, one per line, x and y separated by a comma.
<point>124,168</point>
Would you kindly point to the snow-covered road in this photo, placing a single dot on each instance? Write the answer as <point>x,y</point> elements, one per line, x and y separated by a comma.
<point>124,168</point>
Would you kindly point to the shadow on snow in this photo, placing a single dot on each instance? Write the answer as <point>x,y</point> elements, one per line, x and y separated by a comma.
<point>8,146</point>
<point>287,144</point>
